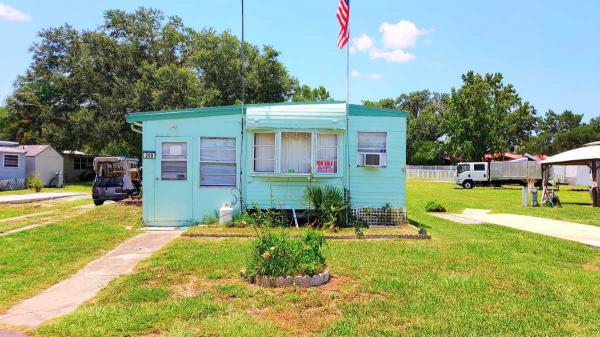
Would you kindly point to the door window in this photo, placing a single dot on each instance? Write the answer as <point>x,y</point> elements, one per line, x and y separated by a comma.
<point>174,161</point>
<point>479,167</point>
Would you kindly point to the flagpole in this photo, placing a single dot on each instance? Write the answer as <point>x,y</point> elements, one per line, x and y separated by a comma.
<point>348,117</point>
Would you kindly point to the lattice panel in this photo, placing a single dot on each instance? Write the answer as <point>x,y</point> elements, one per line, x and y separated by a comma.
<point>382,216</point>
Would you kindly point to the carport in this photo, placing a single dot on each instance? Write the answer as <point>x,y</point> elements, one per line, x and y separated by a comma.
<point>588,155</point>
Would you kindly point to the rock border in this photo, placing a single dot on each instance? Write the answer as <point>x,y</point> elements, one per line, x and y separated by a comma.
<point>329,237</point>
<point>298,281</point>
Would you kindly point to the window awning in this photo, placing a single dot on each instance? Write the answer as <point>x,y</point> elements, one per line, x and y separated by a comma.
<point>297,116</point>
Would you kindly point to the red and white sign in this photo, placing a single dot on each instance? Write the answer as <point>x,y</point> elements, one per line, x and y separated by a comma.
<point>325,166</point>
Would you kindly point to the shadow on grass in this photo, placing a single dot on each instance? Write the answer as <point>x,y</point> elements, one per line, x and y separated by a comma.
<point>576,203</point>
<point>421,226</point>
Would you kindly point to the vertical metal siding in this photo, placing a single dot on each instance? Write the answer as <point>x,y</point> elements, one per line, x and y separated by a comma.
<point>375,187</point>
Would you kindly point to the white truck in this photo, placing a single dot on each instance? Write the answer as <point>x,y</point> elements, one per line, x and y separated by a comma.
<point>497,173</point>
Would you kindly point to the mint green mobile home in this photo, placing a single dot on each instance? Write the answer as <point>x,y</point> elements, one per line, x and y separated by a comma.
<point>195,160</point>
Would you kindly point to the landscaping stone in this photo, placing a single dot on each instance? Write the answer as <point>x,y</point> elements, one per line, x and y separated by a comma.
<point>303,281</point>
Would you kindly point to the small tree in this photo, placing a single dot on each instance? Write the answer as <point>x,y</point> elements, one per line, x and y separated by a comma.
<point>35,182</point>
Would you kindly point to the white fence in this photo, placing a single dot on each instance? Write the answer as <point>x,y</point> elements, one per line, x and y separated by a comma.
<point>439,172</point>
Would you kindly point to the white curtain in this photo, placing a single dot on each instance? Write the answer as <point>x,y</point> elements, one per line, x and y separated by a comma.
<point>295,152</point>
<point>264,152</point>
<point>327,150</point>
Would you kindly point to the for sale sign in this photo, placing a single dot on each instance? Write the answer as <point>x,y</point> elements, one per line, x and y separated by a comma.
<point>325,166</point>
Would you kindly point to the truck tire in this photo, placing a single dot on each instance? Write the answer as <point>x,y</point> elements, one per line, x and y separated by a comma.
<point>468,184</point>
<point>98,202</point>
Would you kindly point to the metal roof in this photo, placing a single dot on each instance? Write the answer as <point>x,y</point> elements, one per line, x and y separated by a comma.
<point>34,150</point>
<point>355,110</point>
<point>11,149</point>
<point>579,156</point>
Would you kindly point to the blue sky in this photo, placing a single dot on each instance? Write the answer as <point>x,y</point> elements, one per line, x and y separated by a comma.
<point>549,50</point>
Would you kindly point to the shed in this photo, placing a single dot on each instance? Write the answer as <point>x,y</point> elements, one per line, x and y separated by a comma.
<point>12,170</point>
<point>42,161</point>
<point>264,155</point>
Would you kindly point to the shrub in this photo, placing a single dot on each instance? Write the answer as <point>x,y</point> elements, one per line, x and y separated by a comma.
<point>329,205</point>
<point>434,206</point>
<point>35,182</point>
<point>276,254</point>
<point>210,219</point>
<point>269,217</point>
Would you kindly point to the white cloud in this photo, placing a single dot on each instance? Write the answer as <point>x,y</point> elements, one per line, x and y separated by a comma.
<point>11,14</point>
<point>395,39</point>
<point>400,35</point>
<point>361,43</point>
<point>397,55</point>
<point>370,76</point>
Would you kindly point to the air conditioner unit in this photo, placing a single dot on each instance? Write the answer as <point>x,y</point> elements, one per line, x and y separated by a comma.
<point>372,159</point>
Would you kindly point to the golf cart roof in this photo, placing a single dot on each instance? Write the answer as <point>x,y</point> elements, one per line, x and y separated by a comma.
<point>119,159</point>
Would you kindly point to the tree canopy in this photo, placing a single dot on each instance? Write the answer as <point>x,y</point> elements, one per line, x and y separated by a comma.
<point>82,83</point>
<point>484,115</point>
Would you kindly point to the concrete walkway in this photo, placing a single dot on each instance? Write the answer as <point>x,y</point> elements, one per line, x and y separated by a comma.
<point>32,197</point>
<point>66,296</point>
<point>586,234</point>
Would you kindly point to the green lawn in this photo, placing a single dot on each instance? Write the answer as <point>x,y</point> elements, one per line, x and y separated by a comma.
<point>469,280</point>
<point>84,187</point>
<point>576,201</point>
<point>40,212</point>
<point>33,260</point>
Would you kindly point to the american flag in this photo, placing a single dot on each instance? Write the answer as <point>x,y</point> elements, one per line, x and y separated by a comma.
<point>343,16</point>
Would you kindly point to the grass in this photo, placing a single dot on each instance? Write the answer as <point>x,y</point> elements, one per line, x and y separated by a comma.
<point>576,201</point>
<point>82,187</point>
<point>38,212</point>
<point>33,260</point>
<point>469,280</point>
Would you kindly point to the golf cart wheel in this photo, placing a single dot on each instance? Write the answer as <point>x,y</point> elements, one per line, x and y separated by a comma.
<point>98,202</point>
<point>468,184</point>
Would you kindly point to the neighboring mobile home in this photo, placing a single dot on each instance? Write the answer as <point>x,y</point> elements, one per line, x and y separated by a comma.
<point>12,170</point>
<point>42,161</point>
<point>265,155</point>
<point>78,166</point>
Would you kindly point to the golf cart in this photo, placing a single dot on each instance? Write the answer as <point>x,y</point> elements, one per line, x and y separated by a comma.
<point>117,178</point>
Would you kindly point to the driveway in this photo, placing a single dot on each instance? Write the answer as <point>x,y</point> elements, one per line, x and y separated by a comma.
<point>32,197</point>
<point>586,234</point>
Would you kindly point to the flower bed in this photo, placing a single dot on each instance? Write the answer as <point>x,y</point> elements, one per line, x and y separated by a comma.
<point>278,260</point>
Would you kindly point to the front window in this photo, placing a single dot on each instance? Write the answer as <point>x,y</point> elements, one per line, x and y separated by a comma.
<point>295,152</point>
<point>462,168</point>
<point>11,160</point>
<point>327,153</point>
<point>217,161</point>
<point>174,161</point>
<point>264,152</point>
